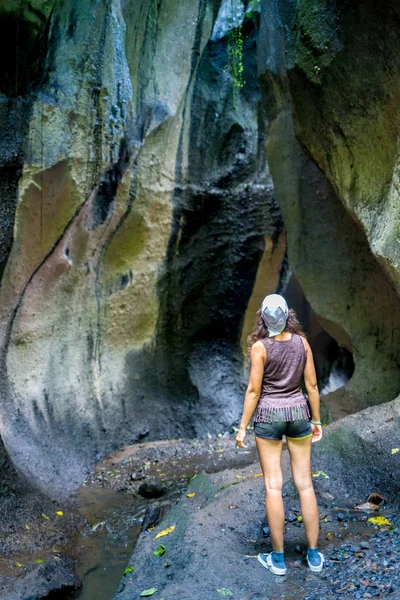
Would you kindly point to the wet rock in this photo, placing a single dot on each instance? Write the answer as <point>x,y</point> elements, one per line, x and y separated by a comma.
<point>364,545</point>
<point>337,557</point>
<point>354,548</point>
<point>266,531</point>
<point>329,518</point>
<point>341,516</point>
<point>53,576</point>
<point>136,476</point>
<point>298,549</point>
<point>291,517</point>
<point>151,517</point>
<point>154,489</point>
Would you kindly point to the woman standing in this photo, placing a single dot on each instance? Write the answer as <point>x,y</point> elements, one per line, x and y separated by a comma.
<point>280,357</point>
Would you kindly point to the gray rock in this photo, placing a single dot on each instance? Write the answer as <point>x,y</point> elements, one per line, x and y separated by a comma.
<point>151,517</point>
<point>54,576</point>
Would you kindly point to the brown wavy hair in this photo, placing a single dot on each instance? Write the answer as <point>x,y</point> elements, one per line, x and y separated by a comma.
<point>260,331</point>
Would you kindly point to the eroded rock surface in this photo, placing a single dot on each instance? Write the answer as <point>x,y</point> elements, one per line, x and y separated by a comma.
<point>327,109</point>
<point>219,532</point>
<point>143,206</point>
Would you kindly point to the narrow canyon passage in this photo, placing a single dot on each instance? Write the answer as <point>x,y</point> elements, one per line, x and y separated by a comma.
<point>164,166</point>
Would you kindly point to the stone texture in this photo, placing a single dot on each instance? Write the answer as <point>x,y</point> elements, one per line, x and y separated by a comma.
<point>207,525</point>
<point>328,250</point>
<point>142,205</point>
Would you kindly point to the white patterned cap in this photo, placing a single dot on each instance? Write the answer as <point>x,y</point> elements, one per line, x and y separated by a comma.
<point>274,313</point>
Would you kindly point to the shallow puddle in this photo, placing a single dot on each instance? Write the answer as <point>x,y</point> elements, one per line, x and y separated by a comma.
<point>114,517</point>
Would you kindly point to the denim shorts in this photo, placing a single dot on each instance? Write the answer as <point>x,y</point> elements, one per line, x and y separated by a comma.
<point>294,430</point>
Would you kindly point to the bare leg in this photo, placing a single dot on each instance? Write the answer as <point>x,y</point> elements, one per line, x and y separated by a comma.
<point>270,453</point>
<point>300,459</point>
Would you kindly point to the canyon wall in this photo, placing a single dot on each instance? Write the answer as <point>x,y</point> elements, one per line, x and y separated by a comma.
<point>330,78</point>
<point>140,229</point>
<point>138,205</point>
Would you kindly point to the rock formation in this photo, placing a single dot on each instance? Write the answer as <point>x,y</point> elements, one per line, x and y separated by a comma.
<point>329,78</point>
<point>139,225</point>
<point>138,207</point>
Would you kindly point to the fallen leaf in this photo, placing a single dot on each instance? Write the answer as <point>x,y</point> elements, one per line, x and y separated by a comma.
<point>19,564</point>
<point>300,518</point>
<point>191,495</point>
<point>165,531</point>
<point>330,535</point>
<point>128,570</point>
<point>220,450</point>
<point>241,476</point>
<point>60,513</point>
<point>224,592</point>
<point>27,527</point>
<point>379,521</point>
<point>232,506</point>
<point>390,419</point>
<point>258,475</point>
<point>395,450</point>
<point>345,587</point>
<point>39,561</point>
<point>228,484</point>
<point>148,592</point>
<point>57,551</point>
<point>166,565</point>
<point>251,555</point>
<point>152,528</point>
<point>319,474</point>
<point>160,550</point>
<point>45,516</point>
<point>367,506</point>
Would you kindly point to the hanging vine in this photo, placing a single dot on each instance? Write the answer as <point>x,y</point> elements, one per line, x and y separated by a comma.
<point>235,56</point>
<point>235,46</point>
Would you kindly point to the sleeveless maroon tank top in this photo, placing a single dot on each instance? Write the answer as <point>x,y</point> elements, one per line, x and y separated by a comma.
<point>281,385</point>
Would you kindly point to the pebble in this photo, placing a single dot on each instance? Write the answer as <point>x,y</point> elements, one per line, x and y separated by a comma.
<point>291,517</point>
<point>341,516</point>
<point>265,531</point>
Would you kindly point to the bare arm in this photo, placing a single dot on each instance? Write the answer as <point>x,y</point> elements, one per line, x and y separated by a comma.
<point>310,380</point>
<point>258,358</point>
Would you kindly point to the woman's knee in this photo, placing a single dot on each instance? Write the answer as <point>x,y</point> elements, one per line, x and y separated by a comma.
<point>303,482</point>
<point>273,484</point>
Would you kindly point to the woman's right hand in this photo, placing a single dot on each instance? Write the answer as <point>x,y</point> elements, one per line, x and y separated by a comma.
<point>240,438</point>
<point>316,433</point>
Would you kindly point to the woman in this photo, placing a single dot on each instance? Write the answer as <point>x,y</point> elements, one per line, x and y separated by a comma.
<point>280,356</point>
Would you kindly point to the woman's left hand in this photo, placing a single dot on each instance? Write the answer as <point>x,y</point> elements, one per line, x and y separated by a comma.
<point>240,438</point>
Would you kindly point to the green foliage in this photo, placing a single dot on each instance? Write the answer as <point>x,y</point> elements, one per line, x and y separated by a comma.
<point>128,570</point>
<point>235,56</point>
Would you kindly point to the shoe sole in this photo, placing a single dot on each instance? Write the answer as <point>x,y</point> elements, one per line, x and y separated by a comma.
<point>315,569</point>
<point>270,567</point>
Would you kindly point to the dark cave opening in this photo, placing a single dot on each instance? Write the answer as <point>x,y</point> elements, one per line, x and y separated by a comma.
<point>334,364</point>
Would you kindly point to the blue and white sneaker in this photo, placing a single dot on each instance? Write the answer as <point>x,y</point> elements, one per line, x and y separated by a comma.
<point>315,560</point>
<point>266,561</point>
